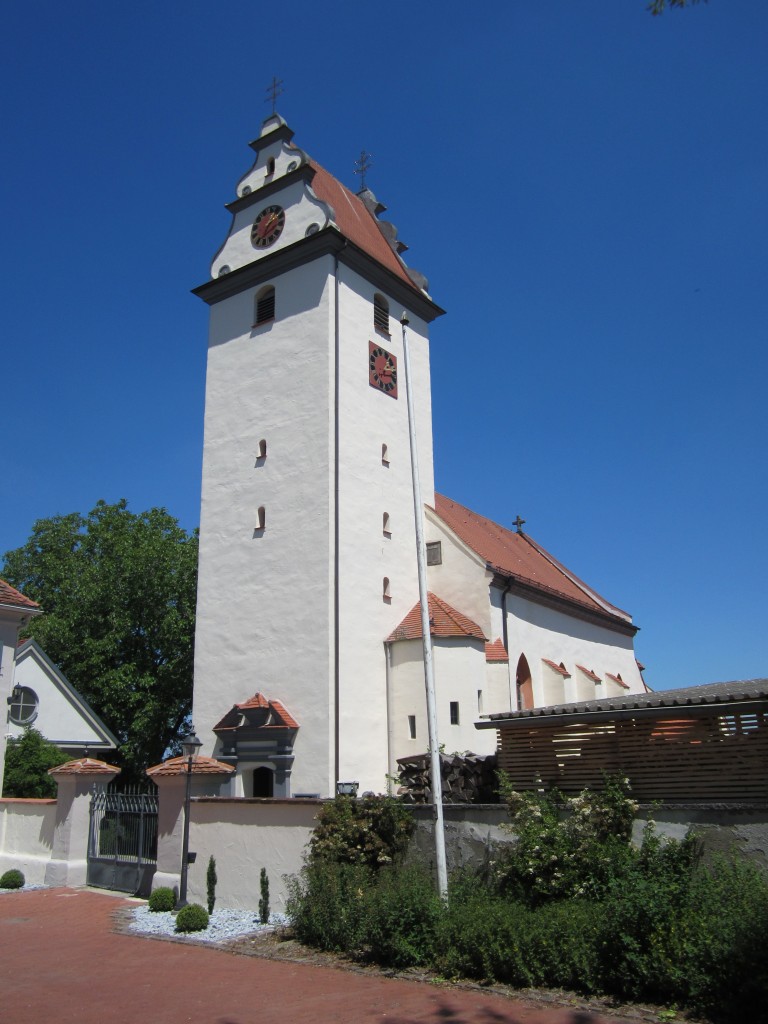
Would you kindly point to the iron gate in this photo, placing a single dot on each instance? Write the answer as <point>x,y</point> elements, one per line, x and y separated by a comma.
<point>122,841</point>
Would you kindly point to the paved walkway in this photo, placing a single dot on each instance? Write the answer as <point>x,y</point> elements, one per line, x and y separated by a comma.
<point>62,963</point>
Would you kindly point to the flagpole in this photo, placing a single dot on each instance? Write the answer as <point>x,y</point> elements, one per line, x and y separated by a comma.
<point>429,675</point>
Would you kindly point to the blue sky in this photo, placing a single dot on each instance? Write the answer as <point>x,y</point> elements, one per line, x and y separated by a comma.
<point>584,186</point>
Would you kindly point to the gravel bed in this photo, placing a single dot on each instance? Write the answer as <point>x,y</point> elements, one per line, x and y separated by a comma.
<point>223,924</point>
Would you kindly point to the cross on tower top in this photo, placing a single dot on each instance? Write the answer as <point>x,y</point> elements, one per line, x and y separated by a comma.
<point>362,165</point>
<point>273,90</point>
<point>519,524</point>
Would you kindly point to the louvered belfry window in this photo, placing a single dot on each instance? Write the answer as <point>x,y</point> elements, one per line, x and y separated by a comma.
<point>265,306</point>
<point>380,313</point>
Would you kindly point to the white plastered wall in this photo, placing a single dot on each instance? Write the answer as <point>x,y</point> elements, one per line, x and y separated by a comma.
<point>265,597</point>
<point>460,671</point>
<point>540,632</point>
<point>368,488</point>
<point>462,578</point>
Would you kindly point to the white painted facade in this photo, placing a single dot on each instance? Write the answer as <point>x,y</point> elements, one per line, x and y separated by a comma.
<point>307,542</point>
<point>62,716</point>
<point>284,609</point>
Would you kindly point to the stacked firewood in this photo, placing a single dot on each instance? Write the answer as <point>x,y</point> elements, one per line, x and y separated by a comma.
<point>467,779</point>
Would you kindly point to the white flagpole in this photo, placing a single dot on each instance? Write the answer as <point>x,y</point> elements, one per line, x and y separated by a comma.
<point>429,675</point>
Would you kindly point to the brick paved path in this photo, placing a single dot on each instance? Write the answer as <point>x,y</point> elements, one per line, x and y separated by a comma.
<point>61,963</point>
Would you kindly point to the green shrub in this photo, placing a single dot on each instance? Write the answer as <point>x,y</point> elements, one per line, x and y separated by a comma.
<point>326,905</point>
<point>601,917</point>
<point>264,898</point>
<point>162,899</point>
<point>566,847</point>
<point>488,937</point>
<point>192,918</point>
<point>13,879</point>
<point>402,913</point>
<point>373,831</point>
<point>210,880</point>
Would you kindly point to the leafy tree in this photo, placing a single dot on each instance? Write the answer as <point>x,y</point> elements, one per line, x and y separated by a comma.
<point>118,591</point>
<point>657,7</point>
<point>27,760</point>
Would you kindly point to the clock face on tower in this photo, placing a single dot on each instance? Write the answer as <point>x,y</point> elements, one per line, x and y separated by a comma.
<point>382,370</point>
<point>268,226</point>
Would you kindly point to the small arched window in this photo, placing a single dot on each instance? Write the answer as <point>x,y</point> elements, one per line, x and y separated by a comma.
<point>384,455</point>
<point>262,452</point>
<point>270,166</point>
<point>386,525</point>
<point>386,594</point>
<point>261,518</point>
<point>265,306</point>
<point>380,313</point>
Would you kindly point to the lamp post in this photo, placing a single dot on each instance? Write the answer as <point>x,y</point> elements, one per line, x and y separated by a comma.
<point>190,745</point>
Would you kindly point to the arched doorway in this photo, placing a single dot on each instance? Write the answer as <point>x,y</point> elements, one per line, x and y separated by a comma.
<point>263,782</point>
<point>524,684</point>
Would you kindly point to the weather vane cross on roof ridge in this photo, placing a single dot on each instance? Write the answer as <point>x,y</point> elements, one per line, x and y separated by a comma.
<point>362,166</point>
<point>273,90</point>
<point>519,524</point>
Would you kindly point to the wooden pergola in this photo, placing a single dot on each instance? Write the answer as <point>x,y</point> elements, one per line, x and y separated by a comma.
<point>701,745</point>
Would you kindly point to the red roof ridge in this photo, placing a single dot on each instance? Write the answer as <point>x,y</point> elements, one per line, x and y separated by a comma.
<point>357,223</point>
<point>444,621</point>
<point>561,669</point>
<point>617,679</point>
<point>85,766</point>
<point>519,556</point>
<point>588,672</point>
<point>200,766</point>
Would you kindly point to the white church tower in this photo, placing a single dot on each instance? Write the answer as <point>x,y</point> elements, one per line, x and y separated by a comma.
<point>307,548</point>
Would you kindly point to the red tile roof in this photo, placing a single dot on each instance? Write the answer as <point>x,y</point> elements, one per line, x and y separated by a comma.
<point>443,619</point>
<point>617,679</point>
<point>11,596</point>
<point>283,718</point>
<point>557,668</point>
<point>258,700</point>
<point>85,766</point>
<point>496,651</point>
<point>200,766</point>
<point>356,222</point>
<point>589,673</point>
<point>519,556</point>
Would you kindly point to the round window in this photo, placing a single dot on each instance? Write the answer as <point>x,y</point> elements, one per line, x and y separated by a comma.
<point>24,704</point>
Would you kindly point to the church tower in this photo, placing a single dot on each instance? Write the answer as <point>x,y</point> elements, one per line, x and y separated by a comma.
<point>307,547</point>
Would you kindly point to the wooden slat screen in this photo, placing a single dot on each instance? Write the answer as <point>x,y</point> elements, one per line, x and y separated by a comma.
<point>722,758</point>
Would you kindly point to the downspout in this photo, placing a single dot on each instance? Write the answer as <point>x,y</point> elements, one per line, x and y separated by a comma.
<point>390,716</point>
<point>336,525</point>
<point>505,641</point>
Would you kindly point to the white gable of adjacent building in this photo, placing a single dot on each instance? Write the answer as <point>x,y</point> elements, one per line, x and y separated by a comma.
<point>62,715</point>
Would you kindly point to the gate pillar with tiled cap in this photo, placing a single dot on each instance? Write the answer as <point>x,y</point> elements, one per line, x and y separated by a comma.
<point>76,781</point>
<point>209,778</point>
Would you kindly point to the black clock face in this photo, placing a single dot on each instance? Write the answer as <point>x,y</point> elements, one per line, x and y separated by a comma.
<point>382,370</point>
<point>268,226</point>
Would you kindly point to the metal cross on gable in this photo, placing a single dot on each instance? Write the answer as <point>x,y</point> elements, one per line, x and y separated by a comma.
<point>362,165</point>
<point>519,524</point>
<point>273,90</point>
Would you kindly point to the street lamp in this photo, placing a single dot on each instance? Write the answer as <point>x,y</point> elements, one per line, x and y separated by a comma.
<point>190,745</point>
